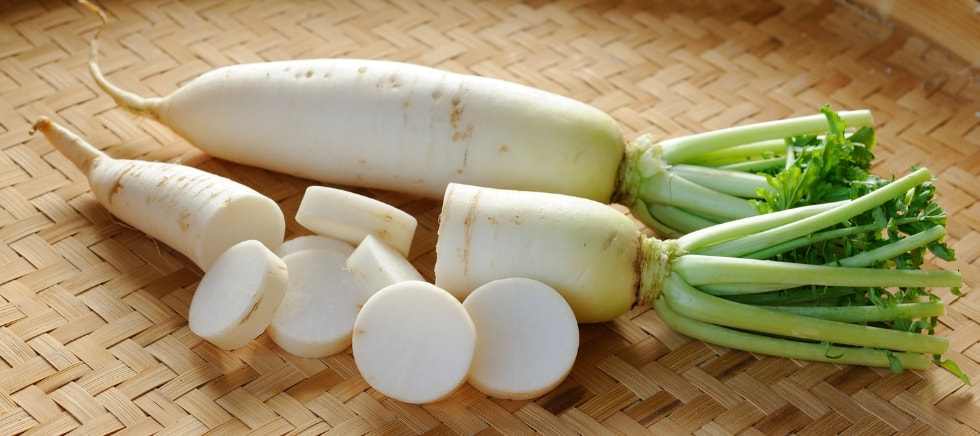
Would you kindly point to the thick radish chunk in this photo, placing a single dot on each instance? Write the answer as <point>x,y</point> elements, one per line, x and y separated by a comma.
<point>306,242</point>
<point>350,217</point>
<point>194,212</point>
<point>526,338</point>
<point>414,342</point>
<point>376,265</point>
<point>586,250</point>
<point>316,316</point>
<point>237,297</point>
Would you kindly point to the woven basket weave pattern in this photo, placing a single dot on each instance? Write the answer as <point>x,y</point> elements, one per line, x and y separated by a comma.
<point>93,330</point>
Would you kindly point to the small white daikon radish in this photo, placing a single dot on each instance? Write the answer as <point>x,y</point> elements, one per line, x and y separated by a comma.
<point>487,234</point>
<point>376,265</point>
<point>526,338</point>
<point>350,217</point>
<point>414,342</point>
<point>316,316</point>
<point>236,298</point>
<point>194,212</point>
<point>305,242</point>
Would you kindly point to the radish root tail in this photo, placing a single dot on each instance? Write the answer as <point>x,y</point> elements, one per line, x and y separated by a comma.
<point>136,104</point>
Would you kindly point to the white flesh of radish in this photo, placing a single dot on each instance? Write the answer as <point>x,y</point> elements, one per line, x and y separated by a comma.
<point>306,242</point>
<point>236,298</point>
<point>376,265</point>
<point>350,217</point>
<point>526,338</point>
<point>414,342</point>
<point>316,316</point>
<point>389,125</point>
<point>194,212</point>
<point>586,250</point>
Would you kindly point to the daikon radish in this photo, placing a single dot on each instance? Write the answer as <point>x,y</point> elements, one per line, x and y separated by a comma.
<point>316,316</point>
<point>197,213</point>
<point>526,338</point>
<point>305,242</point>
<point>730,279</point>
<point>414,342</point>
<point>376,265</point>
<point>350,217</point>
<point>411,128</point>
<point>590,254</point>
<point>236,299</point>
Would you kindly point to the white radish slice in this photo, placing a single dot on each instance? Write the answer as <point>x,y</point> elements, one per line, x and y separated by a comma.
<point>376,265</point>
<point>305,242</point>
<point>237,297</point>
<point>527,338</point>
<point>350,217</point>
<point>414,342</point>
<point>316,317</point>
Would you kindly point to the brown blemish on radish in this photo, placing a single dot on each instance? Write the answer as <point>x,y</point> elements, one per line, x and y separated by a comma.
<point>471,215</point>
<point>183,221</point>
<point>609,241</point>
<point>252,310</point>
<point>117,184</point>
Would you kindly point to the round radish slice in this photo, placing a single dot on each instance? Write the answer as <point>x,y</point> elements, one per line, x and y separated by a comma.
<point>414,342</point>
<point>527,338</point>
<point>304,242</point>
<point>236,298</point>
<point>376,265</point>
<point>350,217</point>
<point>316,316</point>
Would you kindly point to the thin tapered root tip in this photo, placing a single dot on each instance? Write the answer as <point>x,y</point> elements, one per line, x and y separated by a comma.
<point>125,99</point>
<point>79,152</point>
<point>92,7</point>
<point>42,123</point>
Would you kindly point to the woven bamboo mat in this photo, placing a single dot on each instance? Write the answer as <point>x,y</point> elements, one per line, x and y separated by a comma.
<point>93,331</point>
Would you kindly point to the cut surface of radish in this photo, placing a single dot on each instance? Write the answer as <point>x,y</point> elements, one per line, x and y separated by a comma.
<point>304,242</point>
<point>237,297</point>
<point>316,316</point>
<point>376,265</point>
<point>414,342</point>
<point>350,217</point>
<point>527,338</point>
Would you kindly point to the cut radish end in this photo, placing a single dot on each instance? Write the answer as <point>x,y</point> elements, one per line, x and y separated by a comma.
<point>305,242</point>
<point>350,217</point>
<point>376,265</point>
<point>238,295</point>
<point>414,342</point>
<point>316,316</point>
<point>527,338</point>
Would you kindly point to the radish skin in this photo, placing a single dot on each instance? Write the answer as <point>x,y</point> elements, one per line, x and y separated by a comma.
<point>236,299</point>
<point>197,213</point>
<point>350,217</point>
<point>375,265</point>
<point>316,316</point>
<point>486,234</point>
<point>414,342</point>
<point>527,338</point>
